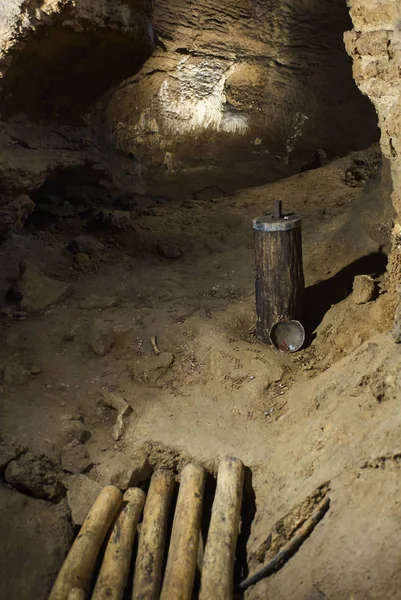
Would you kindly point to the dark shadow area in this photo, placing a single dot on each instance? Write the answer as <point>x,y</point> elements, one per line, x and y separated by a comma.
<point>59,72</point>
<point>320,297</point>
<point>130,582</point>
<point>339,117</point>
<point>248,513</point>
<point>69,193</point>
<point>145,487</point>
<point>208,498</point>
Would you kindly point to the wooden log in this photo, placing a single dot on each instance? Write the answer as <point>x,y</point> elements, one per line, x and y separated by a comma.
<point>181,561</point>
<point>77,594</point>
<point>77,569</point>
<point>218,564</point>
<point>279,283</point>
<point>113,575</point>
<point>152,538</point>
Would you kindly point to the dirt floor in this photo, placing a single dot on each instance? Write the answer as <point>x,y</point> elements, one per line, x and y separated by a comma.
<point>78,354</point>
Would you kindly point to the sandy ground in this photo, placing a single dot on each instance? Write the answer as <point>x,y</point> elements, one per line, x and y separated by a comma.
<point>297,420</point>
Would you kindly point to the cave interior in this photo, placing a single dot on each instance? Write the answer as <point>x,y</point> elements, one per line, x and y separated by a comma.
<point>138,141</point>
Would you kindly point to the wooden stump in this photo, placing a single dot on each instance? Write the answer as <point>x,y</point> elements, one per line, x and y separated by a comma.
<point>279,272</point>
<point>181,561</point>
<point>218,564</point>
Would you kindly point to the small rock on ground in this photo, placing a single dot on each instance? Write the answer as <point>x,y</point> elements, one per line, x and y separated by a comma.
<point>113,400</point>
<point>34,476</point>
<point>150,369</point>
<point>101,337</point>
<point>81,494</point>
<point>73,429</point>
<point>71,334</point>
<point>139,471</point>
<point>38,291</point>
<point>118,429</point>
<point>131,477</point>
<point>123,471</point>
<point>82,261</point>
<point>85,244</point>
<point>116,401</point>
<point>364,289</point>
<point>169,249</point>
<point>75,457</point>
<point>121,219</point>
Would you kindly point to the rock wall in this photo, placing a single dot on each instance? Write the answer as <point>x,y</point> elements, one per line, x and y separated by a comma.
<point>252,81</point>
<point>375,47</point>
<point>58,56</point>
<point>234,81</point>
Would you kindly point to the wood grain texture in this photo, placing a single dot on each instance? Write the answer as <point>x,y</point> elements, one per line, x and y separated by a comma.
<point>181,561</point>
<point>218,564</point>
<point>113,576</point>
<point>77,569</point>
<point>279,282</point>
<point>152,538</point>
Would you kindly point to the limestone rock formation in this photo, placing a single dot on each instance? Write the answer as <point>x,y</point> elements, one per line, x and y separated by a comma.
<point>242,81</point>
<point>57,57</point>
<point>375,46</point>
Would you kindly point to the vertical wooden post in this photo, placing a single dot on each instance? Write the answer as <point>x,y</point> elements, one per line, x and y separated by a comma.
<point>279,283</point>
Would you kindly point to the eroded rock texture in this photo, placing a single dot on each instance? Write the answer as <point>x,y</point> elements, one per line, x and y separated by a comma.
<point>242,80</point>
<point>228,82</point>
<point>375,46</point>
<point>57,57</point>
